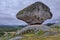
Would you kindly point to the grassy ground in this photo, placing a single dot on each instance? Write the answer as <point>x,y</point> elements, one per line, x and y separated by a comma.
<point>55,37</point>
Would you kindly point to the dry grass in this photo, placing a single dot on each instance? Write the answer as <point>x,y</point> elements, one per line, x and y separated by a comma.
<point>55,37</point>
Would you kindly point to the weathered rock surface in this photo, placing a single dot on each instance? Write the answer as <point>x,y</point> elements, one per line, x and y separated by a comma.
<point>33,28</point>
<point>36,13</point>
<point>36,28</point>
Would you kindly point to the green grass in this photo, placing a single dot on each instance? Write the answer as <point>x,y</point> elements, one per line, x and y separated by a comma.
<point>40,32</point>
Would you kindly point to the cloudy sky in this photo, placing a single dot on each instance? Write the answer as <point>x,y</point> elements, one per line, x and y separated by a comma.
<point>9,9</point>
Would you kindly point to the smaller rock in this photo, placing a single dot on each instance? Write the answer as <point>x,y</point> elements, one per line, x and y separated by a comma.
<point>16,38</point>
<point>50,33</point>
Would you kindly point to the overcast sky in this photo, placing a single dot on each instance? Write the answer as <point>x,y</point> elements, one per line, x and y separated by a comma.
<point>9,9</point>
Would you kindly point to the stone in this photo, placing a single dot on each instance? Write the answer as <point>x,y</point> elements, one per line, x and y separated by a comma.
<point>16,38</point>
<point>36,13</point>
<point>33,28</point>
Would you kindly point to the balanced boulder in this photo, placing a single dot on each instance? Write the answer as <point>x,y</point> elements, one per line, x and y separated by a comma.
<point>36,13</point>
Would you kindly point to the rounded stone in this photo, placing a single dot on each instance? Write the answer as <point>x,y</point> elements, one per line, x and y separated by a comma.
<point>36,13</point>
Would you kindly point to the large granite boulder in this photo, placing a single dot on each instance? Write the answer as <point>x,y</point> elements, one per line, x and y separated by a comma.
<point>36,13</point>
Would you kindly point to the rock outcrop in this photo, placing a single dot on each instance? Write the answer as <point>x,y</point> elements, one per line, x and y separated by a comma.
<point>36,13</point>
<point>33,29</point>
